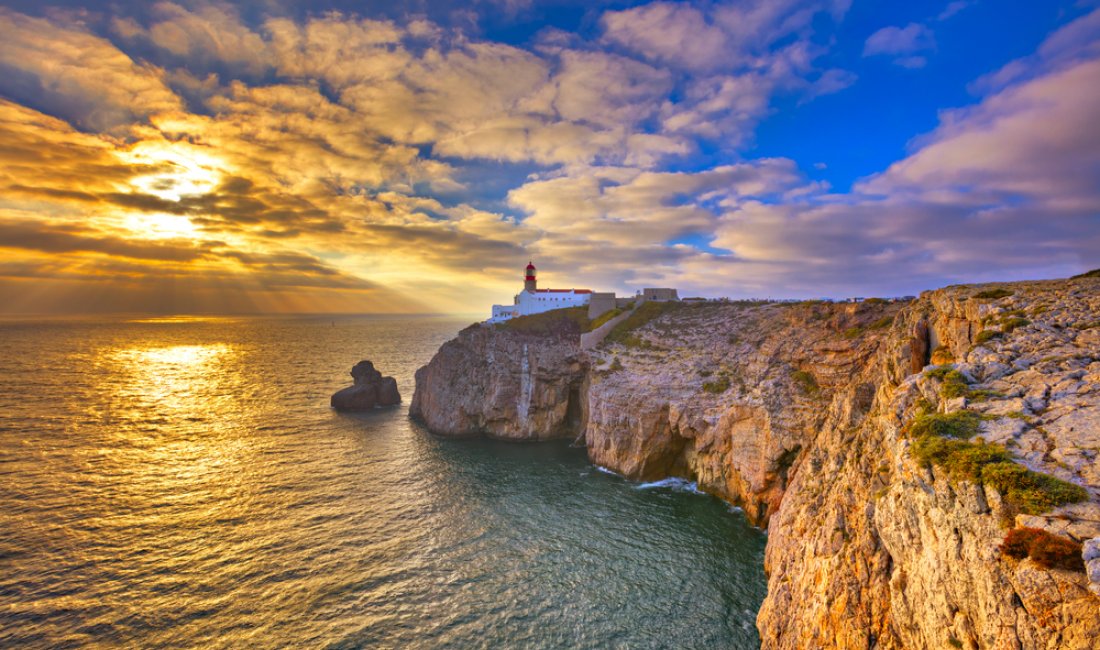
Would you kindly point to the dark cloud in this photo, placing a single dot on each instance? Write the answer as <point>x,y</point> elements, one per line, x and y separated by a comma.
<point>46,238</point>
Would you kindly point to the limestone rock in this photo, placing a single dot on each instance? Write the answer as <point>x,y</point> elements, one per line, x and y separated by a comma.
<point>798,414</point>
<point>505,384</point>
<point>369,391</point>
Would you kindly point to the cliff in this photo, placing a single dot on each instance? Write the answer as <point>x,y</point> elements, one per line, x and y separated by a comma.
<point>888,448</point>
<point>504,383</point>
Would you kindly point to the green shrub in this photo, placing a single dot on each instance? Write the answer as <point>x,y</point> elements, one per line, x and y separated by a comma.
<point>960,424</point>
<point>986,336</point>
<point>1095,273</point>
<point>615,366</point>
<point>954,382</point>
<point>954,385</point>
<point>992,294</point>
<point>982,395</point>
<point>806,382</point>
<point>939,372</point>
<point>875,301</point>
<point>718,386</point>
<point>1087,325</point>
<point>1046,549</point>
<point>1032,492</point>
<point>1011,324</point>
<point>853,332</point>
<point>963,460</point>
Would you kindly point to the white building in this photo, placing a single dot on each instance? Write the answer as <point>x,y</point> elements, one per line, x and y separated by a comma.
<point>533,300</point>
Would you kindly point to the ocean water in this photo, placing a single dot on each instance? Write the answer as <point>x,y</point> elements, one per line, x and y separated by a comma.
<point>183,483</point>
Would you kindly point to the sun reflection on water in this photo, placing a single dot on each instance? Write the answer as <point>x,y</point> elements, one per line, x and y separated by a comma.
<point>173,410</point>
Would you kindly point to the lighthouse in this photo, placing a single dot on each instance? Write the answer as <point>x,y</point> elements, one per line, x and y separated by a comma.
<point>529,282</point>
<point>533,300</point>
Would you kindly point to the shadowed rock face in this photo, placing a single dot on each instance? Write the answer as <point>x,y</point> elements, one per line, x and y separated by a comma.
<point>370,390</point>
<point>797,413</point>
<point>503,384</point>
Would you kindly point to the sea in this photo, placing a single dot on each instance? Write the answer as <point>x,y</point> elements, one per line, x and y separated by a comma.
<point>183,483</point>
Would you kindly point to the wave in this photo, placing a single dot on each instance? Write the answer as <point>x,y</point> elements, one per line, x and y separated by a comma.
<point>675,484</point>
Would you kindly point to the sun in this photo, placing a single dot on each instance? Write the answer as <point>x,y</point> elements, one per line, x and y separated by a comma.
<point>162,226</point>
<point>178,169</point>
<point>175,172</point>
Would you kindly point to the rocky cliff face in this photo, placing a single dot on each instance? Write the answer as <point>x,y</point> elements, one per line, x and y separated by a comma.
<point>729,395</point>
<point>804,415</point>
<point>511,385</point>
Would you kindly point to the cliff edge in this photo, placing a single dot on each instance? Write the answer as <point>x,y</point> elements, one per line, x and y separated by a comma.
<point>927,470</point>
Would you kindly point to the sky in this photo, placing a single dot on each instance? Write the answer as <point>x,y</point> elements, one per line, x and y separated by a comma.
<point>385,157</point>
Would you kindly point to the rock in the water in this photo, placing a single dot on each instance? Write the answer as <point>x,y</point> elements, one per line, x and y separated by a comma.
<point>371,390</point>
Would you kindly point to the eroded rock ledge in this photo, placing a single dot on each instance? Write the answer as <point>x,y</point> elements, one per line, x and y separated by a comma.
<point>800,414</point>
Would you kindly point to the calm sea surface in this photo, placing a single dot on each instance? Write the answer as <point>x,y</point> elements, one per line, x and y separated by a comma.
<point>183,483</point>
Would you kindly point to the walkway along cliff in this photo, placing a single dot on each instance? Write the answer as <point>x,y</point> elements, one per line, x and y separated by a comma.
<point>927,471</point>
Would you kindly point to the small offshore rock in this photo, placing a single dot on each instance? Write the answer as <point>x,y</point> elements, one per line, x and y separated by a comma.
<point>370,390</point>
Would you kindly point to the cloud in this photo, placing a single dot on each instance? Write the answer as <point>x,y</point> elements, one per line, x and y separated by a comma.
<point>600,223</point>
<point>1073,43</point>
<point>207,37</point>
<point>953,8</point>
<point>71,73</point>
<point>726,37</point>
<point>1004,188</point>
<point>1032,141</point>
<point>902,43</point>
<point>675,33</point>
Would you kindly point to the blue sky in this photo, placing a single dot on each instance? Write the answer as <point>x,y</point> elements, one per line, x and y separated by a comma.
<point>375,156</point>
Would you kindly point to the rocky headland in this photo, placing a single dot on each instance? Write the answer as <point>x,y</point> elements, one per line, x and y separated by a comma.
<point>927,470</point>
<point>370,390</point>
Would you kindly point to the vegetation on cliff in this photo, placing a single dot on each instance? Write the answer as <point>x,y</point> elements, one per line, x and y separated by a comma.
<point>944,440</point>
<point>623,333</point>
<point>567,320</point>
<point>1047,550</point>
<point>992,294</point>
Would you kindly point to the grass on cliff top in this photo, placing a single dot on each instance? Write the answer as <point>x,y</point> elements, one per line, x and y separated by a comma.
<point>1095,273</point>
<point>985,336</point>
<point>603,318</point>
<point>993,294</point>
<point>944,440</point>
<point>648,311</point>
<point>570,320</point>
